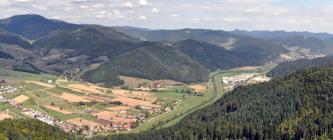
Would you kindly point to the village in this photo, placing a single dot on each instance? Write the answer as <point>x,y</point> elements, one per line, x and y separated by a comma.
<point>232,82</point>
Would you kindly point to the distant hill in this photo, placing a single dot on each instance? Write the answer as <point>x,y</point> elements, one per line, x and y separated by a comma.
<point>294,107</point>
<point>310,45</point>
<point>281,34</point>
<point>91,40</point>
<point>101,54</point>
<point>286,68</point>
<point>305,42</point>
<point>33,26</point>
<point>151,61</point>
<point>210,36</point>
<point>216,57</point>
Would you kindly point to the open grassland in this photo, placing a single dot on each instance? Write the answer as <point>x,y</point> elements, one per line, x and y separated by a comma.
<point>41,84</point>
<point>19,76</point>
<point>59,109</point>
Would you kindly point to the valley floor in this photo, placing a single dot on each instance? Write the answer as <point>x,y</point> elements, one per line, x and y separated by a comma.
<point>88,109</point>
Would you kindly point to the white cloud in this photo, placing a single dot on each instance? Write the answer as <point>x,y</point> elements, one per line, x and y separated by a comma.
<point>143,2</point>
<point>155,10</point>
<point>83,6</point>
<point>117,13</point>
<point>174,15</point>
<point>128,4</point>
<point>23,0</point>
<point>142,18</point>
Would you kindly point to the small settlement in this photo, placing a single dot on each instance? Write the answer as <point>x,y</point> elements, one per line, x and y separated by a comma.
<point>232,82</point>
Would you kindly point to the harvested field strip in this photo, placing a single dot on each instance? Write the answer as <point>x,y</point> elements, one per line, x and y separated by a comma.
<point>85,88</point>
<point>198,87</point>
<point>134,94</point>
<point>4,116</point>
<point>73,98</point>
<point>118,108</point>
<point>21,98</point>
<point>134,102</point>
<point>96,98</point>
<point>41,84</point>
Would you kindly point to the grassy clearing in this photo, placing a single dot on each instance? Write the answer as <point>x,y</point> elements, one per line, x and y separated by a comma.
<point>15,75</point>
<point>11,111</point>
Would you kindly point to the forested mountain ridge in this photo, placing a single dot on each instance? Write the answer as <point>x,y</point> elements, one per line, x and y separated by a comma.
<point>152,61</point>
<point>286,68</point>
<point>292,107</point>
<point>306,42</point>
<point>215,37</point>
<point>55,46</point>
<point>33,26</point>
<point>214,57</point>
<point>86,51</point>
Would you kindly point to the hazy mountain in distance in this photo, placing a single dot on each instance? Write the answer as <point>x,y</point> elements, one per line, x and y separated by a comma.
<point>33,26</point>
<point>305,42</point>
<point>280,34</point>
<point>101,54</point>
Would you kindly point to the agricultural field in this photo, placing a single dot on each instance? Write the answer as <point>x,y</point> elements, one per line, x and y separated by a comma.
<point>86,105</point>
<point>214,90</point>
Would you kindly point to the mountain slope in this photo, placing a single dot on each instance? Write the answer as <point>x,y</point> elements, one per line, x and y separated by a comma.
<point>214,37</point>
<point>151,61</point>
<point>286,68</point>
<point>310,45</point>
<point>294,107</point>
<point>33,26</point>
<point>103,53</point>
<point>215,57</point>
<point>305,42</point>
<point>211,36</point>
<point>10,38</point>
<point>86,40</point>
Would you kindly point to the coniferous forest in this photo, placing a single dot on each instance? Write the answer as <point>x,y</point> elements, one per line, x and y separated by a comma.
<point>293,107</point>
<point>22,129</point>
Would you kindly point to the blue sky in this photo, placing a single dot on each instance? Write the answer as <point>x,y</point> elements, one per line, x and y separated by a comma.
<point>291,15</point>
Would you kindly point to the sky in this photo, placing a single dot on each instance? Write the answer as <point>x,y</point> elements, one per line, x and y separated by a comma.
<point>290,15</point>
